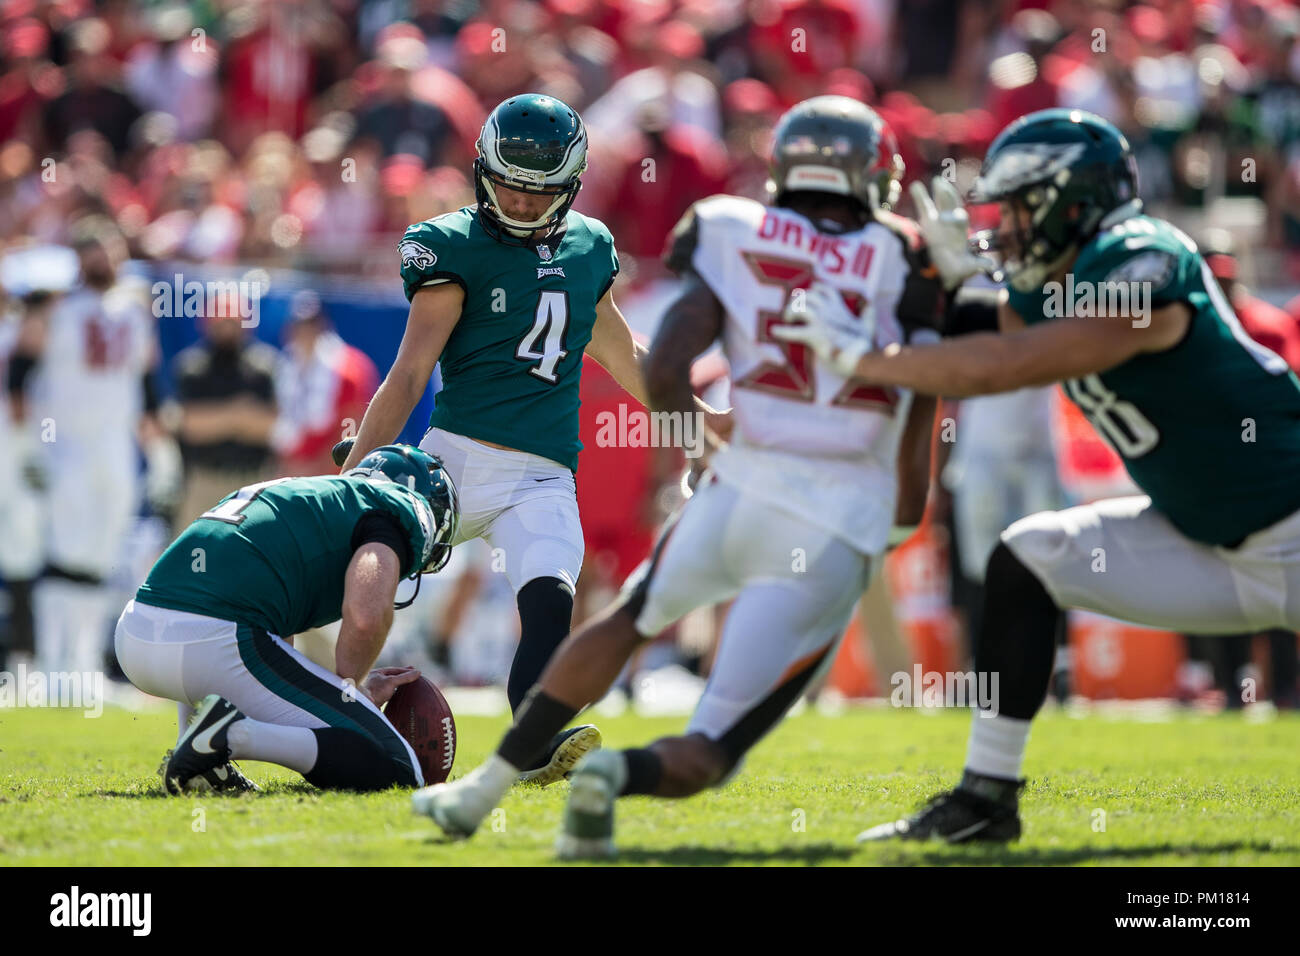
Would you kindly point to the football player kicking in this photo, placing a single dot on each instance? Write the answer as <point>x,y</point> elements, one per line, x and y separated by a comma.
<point>1207,421</point>
<point>216,616</point>
<point>791,515</point>
<point>508,295</point>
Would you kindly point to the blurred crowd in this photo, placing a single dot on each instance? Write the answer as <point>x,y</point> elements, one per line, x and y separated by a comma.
<point>307,134</point>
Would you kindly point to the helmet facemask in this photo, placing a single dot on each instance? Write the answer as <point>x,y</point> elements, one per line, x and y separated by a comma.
<point>1064,190</point>
<point>440,554</point>
<point>486,182</point>
<point>424,475</point>
<point>1029,255</point>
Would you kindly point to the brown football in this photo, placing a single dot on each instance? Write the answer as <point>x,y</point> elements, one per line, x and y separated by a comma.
<point>423,717</point>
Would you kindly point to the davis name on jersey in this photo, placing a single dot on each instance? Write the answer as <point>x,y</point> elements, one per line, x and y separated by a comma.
<point>511,368</point>
<point>805,436</point>
<point>1209,428</point>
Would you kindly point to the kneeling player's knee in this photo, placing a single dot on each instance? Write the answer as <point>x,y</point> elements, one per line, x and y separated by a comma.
<point>347,760</point>
<point>691,764</point>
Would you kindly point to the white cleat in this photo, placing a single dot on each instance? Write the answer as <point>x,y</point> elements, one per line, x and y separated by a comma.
<point>460,806</point>
<point>594,785</point>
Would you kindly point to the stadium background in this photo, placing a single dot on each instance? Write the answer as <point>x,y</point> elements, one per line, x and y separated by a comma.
<point>291,143</point>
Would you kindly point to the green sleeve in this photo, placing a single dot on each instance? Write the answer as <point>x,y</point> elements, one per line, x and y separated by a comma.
<point>1027,305</point>
<point>428,258</point>
<point>1153,256</point>
<point>606,239</point>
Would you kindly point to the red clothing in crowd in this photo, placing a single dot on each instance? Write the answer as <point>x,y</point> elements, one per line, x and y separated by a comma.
<point>269,79</point>
<point>1040,93</point>
<point>1269,326</point>
<point>688,166</point>
<point>327,395</point>
<point>614,480</point>
<point>828,37</point>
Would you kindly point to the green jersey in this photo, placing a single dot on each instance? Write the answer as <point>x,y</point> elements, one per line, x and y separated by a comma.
<point>274,554</point>
<point>511,368</point>
<point>1209,428</point>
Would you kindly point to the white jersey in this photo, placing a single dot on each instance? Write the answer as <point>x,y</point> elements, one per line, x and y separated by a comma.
<point>97,348</point>
<point>806,439</point>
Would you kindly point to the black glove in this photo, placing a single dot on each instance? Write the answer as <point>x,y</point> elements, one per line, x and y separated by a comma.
<point>341,451</point>
<point>923,304</point>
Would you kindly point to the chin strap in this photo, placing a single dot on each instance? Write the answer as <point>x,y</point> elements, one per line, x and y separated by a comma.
<point>514,226</point>
<point>416,576</point>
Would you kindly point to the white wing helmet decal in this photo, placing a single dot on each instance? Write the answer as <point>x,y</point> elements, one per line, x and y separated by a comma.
<point>1018,166</point>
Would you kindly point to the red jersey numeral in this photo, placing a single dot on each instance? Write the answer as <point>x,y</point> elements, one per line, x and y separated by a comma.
<point>795,377</point>
<point>105,344</point>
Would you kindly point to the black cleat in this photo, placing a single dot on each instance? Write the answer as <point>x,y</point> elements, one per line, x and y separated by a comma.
<point>227,778</point>
<point>201,759</point>
<point>567,748</point>
<point>956,816</point>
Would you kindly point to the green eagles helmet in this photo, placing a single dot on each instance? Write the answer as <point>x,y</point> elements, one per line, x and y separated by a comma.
<point>835,144</point>
<point>1073,171</point>
<point>536,144</point>
<point>422,473</point>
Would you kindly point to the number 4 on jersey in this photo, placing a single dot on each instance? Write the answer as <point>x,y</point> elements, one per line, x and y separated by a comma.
<point>548,326</point>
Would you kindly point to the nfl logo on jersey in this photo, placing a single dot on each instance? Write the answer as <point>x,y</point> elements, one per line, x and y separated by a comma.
<point>544,252</point>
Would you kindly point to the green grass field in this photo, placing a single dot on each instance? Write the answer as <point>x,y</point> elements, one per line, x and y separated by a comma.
<point>1193,790</point>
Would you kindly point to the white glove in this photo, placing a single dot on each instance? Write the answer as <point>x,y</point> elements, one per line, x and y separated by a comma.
<point>946,227</point>
<point>820,320</point>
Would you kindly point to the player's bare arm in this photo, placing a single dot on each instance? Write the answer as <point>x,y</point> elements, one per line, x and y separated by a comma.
<point>987,363</point>
<point>614,348</point>
<point>914,462</point>
<point>1009,319</point>
<point>623,357</point>
<point>435,310</point>
<point>368,590</point>
<point>692,323</point>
